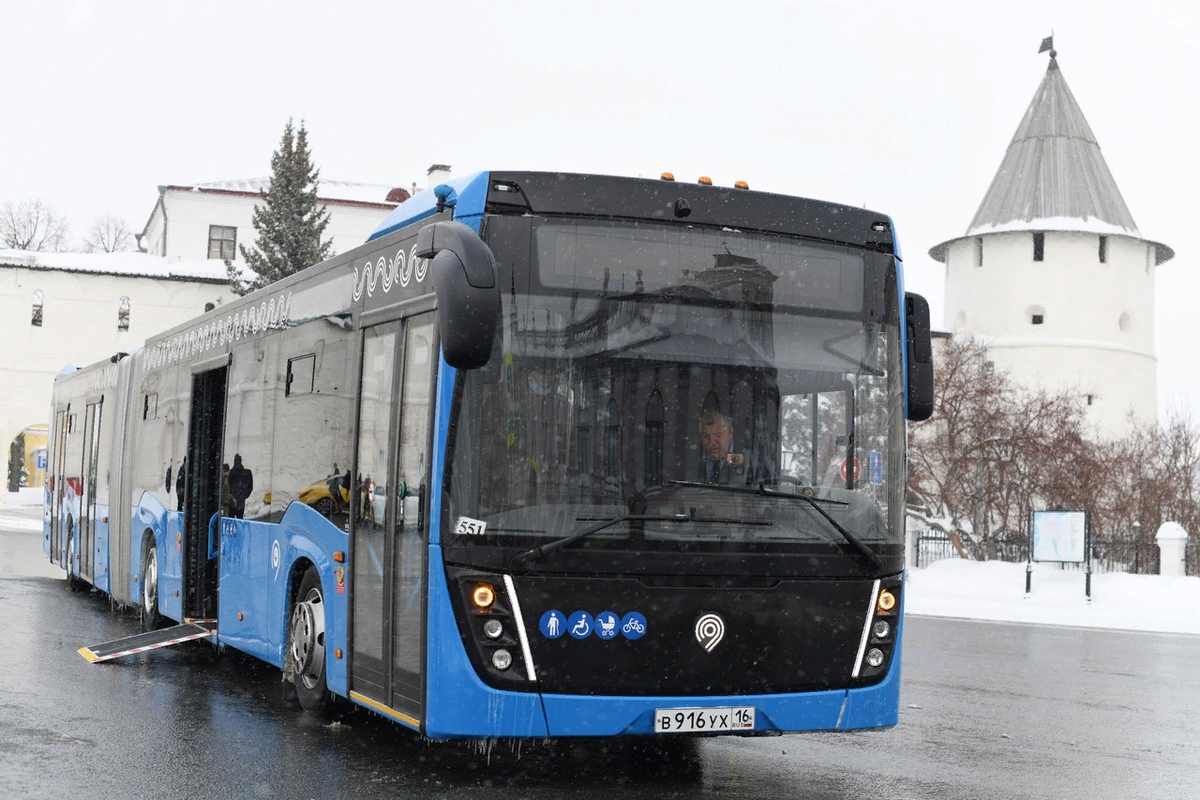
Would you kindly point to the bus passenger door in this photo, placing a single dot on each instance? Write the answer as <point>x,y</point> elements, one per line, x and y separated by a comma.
<point>390,530</point>
<point>202,492</point>
<point>56,487</point>
<point>87,498</point>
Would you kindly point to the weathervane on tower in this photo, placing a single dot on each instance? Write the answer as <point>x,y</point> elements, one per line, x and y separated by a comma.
<point>1048,44</point>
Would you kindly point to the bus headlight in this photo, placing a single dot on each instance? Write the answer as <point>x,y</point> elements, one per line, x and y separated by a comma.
<point>881,629</point>
<point>887,601</point>
<point>493,629</point>
<point>502,659</point>
<point>874,657</point>
<point>483,596</point>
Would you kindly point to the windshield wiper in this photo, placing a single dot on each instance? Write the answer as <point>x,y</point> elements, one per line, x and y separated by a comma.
<point>558,544</point>
<point>859,547</point>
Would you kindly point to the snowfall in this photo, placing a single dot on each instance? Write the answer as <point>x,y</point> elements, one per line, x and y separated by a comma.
<point>982,590</point>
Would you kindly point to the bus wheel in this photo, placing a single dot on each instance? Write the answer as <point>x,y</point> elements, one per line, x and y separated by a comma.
<point>307,643</point>
<point>150,616</point>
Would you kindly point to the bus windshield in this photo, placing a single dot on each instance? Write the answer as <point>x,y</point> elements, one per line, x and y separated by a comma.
<point>683,389</point>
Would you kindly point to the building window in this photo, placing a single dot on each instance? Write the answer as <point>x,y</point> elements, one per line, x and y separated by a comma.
<point>1125,322</point>
<point>1039,246</point>
<point>1090,398</point>
<point>654,439</point>
<point>38,297</point>
<point>1103,249</point>
<point>979,252</point>
<point>222,242</point>
<point>583,439</point>
<point>300,373</point>
<point>123,314</point>
<point>612,441</point>
<point>1037,319</point>
<point>150,408</point>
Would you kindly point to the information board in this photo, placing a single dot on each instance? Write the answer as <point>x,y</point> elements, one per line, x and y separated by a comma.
<point>1059,535</point>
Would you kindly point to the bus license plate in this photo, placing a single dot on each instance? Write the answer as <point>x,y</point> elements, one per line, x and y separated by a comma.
<point>704,720</point>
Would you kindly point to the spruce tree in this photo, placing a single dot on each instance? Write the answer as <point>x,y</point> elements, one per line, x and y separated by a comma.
<point>289,220</point>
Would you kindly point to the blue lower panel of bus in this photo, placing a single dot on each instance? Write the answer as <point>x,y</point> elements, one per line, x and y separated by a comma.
<point>869,707</point>
<point>260,562</point>
<point>100,550</point>
<point>460,704</point>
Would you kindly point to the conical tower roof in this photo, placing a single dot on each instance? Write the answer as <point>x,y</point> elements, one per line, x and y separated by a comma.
<point>1053,177</point>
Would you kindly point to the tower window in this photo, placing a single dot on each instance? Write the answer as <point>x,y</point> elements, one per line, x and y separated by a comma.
<point>979,252</point>
<point>123,314</point>
<point>1090,398</point>
<point>1103,249</point>
<point>1039,246</point>
<point>38,298</point>
<point>1037,319</point>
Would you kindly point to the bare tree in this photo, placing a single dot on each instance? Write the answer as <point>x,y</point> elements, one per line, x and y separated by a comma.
<point>992,452</point>
<point>32,225</point>
<point>109,234</point>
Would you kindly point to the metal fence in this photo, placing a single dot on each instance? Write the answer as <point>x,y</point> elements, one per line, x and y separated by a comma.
<point>1107,555</point>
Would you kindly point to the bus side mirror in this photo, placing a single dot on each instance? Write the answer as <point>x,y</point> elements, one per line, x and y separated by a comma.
<point>919,354</point>
<point>464,277</point>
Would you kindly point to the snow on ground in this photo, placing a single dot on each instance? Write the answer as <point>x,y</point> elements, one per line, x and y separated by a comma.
<point>995,590</point>
<point>987,590</point>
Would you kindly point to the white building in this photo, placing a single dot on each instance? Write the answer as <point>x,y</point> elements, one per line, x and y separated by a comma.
<point>1053,274</point>
<point>70,308</point>
<point>210,220</point>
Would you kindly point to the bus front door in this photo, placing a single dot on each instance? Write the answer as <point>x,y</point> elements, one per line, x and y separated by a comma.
<point>390,535</point>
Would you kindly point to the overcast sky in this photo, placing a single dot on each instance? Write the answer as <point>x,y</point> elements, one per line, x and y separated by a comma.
<point>904,107</point>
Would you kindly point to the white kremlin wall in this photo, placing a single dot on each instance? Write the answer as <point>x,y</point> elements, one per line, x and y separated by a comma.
<point>79,318</point>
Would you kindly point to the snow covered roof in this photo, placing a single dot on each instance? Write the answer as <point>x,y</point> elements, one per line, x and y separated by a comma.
<point>1053,176</point>
<point>133,265</point>
<point>328,191</point>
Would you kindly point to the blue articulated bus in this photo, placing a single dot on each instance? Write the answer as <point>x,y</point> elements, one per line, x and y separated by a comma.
<point>551,455</point>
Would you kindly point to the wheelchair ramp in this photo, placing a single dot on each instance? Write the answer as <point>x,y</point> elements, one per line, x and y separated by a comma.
<point>192,629</point>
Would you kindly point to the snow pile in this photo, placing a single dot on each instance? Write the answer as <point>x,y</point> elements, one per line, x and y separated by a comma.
<point>995,590</point>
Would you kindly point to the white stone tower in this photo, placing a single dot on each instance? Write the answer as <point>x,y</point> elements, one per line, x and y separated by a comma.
<point>1053,274</point>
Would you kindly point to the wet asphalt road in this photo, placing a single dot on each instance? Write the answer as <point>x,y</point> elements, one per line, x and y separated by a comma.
<point>988,711</point>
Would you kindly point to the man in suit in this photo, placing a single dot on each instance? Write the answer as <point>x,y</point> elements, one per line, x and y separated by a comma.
<point>718,463</point>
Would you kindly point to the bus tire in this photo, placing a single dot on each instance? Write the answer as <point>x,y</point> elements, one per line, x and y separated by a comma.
<point>151,619</point>
<point>306,641</point>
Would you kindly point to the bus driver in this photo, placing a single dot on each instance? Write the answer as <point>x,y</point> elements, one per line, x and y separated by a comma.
<point>718,463</point>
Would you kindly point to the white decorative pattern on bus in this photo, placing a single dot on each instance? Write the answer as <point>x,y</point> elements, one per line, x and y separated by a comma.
<point>398,271</point>
<point>249,321</point>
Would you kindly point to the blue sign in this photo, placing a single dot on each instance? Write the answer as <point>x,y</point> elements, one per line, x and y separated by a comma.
<point>41,460</point>
<point>580,625</point>
<point>553,624</point>
<point>607,625</point>
<point>633,625</point>
<point>875,463</point>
